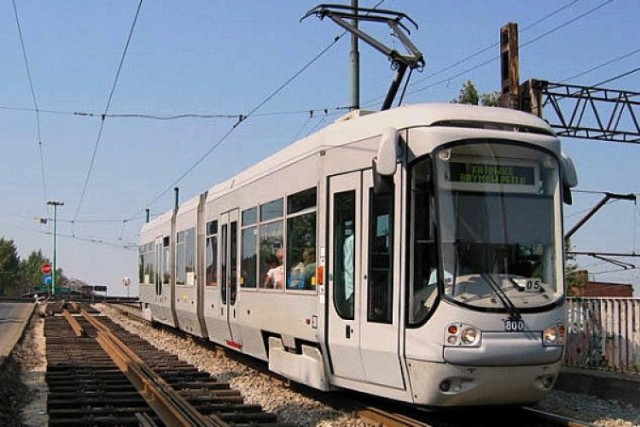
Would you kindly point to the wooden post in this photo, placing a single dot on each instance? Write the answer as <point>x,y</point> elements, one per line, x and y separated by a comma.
<point>510,66</point>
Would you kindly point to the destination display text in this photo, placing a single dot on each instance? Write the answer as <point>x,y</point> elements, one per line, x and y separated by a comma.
<point>477,173</point>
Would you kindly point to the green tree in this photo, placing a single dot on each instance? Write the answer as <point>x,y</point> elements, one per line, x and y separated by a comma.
<point>470,95</point>
<point>30,270</point>
<point>9,268</point>
<point>491,99</point>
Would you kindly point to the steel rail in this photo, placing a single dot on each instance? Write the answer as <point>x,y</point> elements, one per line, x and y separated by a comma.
<point>77,329</point>
<point>169,405</point>
<point>557,419</point>
<point>379,417</point>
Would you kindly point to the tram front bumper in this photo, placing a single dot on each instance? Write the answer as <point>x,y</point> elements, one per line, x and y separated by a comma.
<point>443,385</point>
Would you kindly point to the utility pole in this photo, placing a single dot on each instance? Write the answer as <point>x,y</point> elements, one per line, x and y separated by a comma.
<point>509,66</point>
<point>55,205</point>
<point>355,62</point>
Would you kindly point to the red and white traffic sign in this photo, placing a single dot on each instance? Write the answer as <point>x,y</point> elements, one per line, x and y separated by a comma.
<point>46,268</point>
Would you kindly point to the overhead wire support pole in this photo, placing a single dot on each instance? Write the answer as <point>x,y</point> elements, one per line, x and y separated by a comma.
<point>55,205</point>
<point>605,256</point>
<point>345,16</point>
<point>355,64</point>
<point>601,203</point>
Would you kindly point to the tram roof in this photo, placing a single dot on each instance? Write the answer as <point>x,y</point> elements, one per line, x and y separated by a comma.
<point>361,124</point>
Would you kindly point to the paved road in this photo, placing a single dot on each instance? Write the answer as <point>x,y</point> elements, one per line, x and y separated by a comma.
<point>13,319</point>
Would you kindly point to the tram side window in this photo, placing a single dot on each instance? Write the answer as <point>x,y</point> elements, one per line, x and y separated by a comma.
<point>212,254</point>
<point>344,238</point>
<point>248,263</point>
<point>190,256</point>
<point>185,257</point>
<point>424,278</point>
<point>380,284</point>
<point>301,240</point>
<point>147,264</point>
<point>180,259</point>
<point>271,237</point>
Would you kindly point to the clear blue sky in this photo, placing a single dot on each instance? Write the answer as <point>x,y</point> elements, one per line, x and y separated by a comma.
<point>223,59</point>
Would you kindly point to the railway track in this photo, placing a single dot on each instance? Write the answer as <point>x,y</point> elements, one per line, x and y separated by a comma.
<point>100,375</point>
<point>374,413</point>
<point>525,417</point>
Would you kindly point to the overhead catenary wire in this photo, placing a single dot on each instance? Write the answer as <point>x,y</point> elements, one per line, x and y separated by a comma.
<point>256,114</point>
<point>180,116</point>
<point>236,116</point>
<point>597,67</point>
<point>497,57</point>
<point>303,127</point>
<point>35,105</point>
<point>566,23</point>
<point>119,244</point>
<point>98,241</point>
<point>158,117</point>
<point>494,45</point>
<point>619,76</point>
<point>241,120</point>
<point>106,110</point>
<point>251,113</point>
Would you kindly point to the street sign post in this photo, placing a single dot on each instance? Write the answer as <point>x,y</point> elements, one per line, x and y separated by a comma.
<point>46,268</point>
<point>47,278</point>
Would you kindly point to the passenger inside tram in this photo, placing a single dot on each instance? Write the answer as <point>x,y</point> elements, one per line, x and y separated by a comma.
<point>303,274</point>
<point>274,278</point>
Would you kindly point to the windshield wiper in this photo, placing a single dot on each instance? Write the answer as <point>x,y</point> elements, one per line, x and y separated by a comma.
<point>514,313</point>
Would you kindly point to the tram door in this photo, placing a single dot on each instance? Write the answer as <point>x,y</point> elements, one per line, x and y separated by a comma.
<point>229,273</point>
<point>364,321</point>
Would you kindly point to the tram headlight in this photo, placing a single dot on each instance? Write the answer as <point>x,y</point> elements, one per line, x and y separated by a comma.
<point>554,335</point>
<point>459,334</point>
<point>469,335</point>
<point>445,155</point>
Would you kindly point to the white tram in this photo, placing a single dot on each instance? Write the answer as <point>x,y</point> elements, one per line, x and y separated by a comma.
<point>414,253</point>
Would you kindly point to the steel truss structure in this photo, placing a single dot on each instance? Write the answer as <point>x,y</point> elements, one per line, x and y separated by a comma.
<point>585,111</point>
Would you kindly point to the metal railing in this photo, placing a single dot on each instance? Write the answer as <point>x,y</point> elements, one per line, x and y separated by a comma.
<point>604,334</point>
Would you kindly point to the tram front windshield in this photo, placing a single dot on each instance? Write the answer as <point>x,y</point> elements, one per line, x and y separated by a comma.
<point>499,225</point>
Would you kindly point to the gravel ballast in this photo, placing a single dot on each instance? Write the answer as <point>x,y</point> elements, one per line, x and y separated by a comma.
<point>272,395</point>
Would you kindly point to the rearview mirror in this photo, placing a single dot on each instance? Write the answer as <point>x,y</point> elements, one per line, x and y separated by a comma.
<point>569,177</point>
<point>387,156</point>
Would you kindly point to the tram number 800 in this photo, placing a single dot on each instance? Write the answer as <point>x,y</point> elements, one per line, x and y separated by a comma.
<point>511,325</point>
